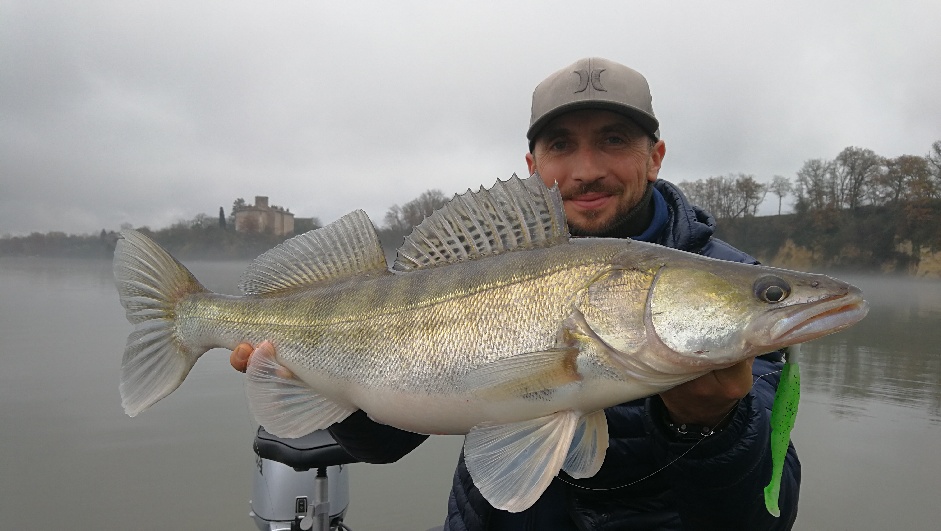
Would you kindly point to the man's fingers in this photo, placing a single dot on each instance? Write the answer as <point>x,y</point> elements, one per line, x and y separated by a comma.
<point>265,348</point>
<point>708,399</point>
<point>242,355</point>
<point>736,380</point>
<point>239,356</point>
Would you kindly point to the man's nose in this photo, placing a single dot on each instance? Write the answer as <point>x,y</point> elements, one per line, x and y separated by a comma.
<point>587,167</point>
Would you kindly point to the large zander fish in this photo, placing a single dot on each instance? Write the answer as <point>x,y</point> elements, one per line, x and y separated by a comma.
<point>492,323</point>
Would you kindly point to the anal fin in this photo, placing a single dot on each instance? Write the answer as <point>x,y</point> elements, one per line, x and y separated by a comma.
<point>284,404</point>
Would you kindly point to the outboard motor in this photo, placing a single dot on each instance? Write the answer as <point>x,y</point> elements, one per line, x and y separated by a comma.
<point>300,484</point>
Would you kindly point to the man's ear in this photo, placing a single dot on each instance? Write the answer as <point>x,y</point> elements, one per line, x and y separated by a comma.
<point>657,152</point>
<point>531,163</point>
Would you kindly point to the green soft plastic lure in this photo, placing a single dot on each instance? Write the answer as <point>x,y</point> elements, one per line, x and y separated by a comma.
<point>783,415</point>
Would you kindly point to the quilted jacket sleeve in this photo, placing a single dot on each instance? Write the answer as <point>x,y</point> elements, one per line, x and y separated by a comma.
<point>371,442</point>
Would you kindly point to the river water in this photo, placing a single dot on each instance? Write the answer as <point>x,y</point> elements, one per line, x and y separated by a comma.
<point>868,432</point>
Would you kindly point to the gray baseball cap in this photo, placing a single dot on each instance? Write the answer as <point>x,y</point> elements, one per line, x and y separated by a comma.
<point>593,83</point>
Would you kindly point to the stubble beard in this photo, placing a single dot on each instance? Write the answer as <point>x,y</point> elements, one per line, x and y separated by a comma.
<point>629,219</point>
<point>594,223</point>
<point>597,227</point>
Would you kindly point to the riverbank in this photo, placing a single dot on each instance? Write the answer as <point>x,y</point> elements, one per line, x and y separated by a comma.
<point>899,240</point>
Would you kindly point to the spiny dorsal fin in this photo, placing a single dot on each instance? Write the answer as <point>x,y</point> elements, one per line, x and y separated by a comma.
<point>516,214</point>
<point>349,246</point>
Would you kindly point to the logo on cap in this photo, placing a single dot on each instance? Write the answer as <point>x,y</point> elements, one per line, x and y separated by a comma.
<point>584,77</point>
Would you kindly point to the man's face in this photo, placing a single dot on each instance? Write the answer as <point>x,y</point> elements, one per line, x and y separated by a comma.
<point>602,162</point>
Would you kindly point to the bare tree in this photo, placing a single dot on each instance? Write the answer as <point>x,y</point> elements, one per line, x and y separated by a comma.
<point>934,164</point>
<point>724,197</point>
<point>750,194</point>
<point>395,219</point>
<point>413,212</point>
<point>780,186</point>
<point>201,221</point>
<point>853,171</point>
<point>921,184</point>
<point>813,188</point>
<point>711,194</point>
<point>907,178</point>
<point>694,191</point>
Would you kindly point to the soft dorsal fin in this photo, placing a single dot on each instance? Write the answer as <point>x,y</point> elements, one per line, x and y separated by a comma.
<point>349,246</point>
<point>515,214</point>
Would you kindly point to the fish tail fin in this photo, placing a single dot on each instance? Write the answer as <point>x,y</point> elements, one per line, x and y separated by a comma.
<point>150,284</point>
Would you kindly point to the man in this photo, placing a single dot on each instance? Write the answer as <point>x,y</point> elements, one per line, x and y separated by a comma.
<point>694,457</point>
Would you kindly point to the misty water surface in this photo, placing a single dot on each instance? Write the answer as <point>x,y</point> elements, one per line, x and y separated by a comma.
<point>868,432</point>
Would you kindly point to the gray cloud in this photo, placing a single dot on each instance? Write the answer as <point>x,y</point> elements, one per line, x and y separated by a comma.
<point>148,113</point>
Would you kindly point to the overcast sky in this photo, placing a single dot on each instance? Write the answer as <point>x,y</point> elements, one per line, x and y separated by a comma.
<point>151,112</point>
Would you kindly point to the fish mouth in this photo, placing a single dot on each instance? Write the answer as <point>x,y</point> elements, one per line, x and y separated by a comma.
<point>817,319</point>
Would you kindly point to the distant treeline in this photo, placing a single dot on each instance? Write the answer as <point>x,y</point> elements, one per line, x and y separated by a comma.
<point>201,243</point>
<point>191,242</point>
<point>211,238</point>
<point>858,211</point>
<point>856,178</point>
<point>867,238</point>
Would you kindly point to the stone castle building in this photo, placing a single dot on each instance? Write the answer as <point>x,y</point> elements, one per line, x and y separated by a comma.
<point>264,218</point>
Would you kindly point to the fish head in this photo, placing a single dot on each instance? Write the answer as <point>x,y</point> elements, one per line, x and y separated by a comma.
<point>707,313</point>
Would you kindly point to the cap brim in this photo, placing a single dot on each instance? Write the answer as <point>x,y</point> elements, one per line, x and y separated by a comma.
<point>648,123</point>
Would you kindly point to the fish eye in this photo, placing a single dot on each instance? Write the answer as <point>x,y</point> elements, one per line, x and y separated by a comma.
<point>772,289</point>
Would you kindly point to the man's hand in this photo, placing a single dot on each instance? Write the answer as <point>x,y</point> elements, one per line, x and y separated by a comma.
<point>706,400</point>
<point>239,357</point>
<point>243,354</point>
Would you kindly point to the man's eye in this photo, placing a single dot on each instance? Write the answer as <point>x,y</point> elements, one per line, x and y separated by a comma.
<point>558,145</point>
<point>614,140</point>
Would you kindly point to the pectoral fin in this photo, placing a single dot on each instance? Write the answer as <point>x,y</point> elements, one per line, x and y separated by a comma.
<point>513,464</point>
<point>526,374</point>
<point>284,404</point>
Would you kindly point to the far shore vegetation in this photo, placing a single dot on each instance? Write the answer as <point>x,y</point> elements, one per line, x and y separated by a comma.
<point>858,211</point>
